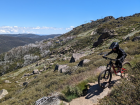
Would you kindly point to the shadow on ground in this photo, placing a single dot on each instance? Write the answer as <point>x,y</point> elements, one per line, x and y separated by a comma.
<point>96,89</point>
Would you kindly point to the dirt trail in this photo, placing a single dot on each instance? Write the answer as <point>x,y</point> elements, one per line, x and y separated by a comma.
<point>94,93</point>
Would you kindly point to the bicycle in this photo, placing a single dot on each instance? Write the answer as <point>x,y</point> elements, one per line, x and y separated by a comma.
<point>104,78</point>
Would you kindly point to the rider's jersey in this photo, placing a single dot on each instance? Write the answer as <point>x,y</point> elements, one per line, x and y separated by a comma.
<point>120,52</point>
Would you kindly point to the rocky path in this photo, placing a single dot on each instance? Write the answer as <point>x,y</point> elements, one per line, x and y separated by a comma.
<point>94,93</point>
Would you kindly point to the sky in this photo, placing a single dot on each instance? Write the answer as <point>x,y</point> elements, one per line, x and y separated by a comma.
<point>46,17</point>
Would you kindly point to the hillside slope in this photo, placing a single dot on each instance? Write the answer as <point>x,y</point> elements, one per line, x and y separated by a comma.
<point>34,70</point>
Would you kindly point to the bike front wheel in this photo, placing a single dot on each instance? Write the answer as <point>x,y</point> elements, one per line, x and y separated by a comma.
<point>104,78</point>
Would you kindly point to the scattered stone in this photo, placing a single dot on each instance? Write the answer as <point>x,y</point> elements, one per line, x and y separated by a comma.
<point>64,103</point>
<point>3,92</point>
<point>92,33</point>
<point>16,82</point>
<point>37,64</point>
<point>25,83</point>
<point>125,42</point>
<point>36,71</point>
<point>128,38</point>
<point>51,64</point>
<point>52,100</point>
<point>76,56</point>
<point>27,74</point>
<point>44,67</point>
<point>102,53</point>
<point>31,74</point>
<point>35,77</point>
<point>41,70</point>
<point>136,38</point>
<point>7,81</point>
<point>85,61</point>
<point>52,56</point>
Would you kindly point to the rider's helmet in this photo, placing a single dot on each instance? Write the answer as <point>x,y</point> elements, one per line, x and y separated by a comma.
<point>114,45</point>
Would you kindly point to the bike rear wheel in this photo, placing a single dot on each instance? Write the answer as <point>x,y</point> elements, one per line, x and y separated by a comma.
<point>126,66</point>
<point>104,78</point>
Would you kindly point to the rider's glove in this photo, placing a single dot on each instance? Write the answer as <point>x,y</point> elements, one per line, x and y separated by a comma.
<point>103,56</point>
<point>118,59</point>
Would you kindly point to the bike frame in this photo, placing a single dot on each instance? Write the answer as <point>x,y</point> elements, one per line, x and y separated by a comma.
<point>111,65</point>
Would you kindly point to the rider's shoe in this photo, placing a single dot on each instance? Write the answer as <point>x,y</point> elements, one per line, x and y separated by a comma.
<point>118,74</point>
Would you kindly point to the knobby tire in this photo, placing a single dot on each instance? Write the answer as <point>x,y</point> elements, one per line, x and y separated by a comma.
<point>106,76</point>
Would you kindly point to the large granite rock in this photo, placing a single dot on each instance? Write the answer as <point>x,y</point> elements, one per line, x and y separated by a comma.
<point>3,92</point>
<point>76,57</point>
<point>62,68</point>
<point>36,71</point>
<point>82,62</point>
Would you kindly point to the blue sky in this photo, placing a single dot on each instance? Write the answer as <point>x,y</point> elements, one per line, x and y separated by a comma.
<point>58,16</point>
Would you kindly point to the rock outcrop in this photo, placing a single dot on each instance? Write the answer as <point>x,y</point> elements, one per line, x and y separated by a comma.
<point>105,33</point>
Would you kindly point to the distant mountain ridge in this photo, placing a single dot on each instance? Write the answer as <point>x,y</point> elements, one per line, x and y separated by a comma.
<point>8,41</point>
<point>32,35</point>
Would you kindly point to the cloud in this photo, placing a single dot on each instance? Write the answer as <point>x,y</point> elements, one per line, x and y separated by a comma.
<point>35,30</point>
<point>70,28</point>
<point>3,31</point>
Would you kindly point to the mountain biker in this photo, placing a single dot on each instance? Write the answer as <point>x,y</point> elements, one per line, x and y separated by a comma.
<point>121,55</point>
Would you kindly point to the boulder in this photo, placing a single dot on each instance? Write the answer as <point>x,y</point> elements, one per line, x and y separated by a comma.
<point>61,68</point>
<point>36,71</point>
<point>136,38</point>
<point>64,69</point>
<point>25,83</point>
<point>7,81</point>
<point>76,57</point>
<point>3,92</point>
<point>82,62</point>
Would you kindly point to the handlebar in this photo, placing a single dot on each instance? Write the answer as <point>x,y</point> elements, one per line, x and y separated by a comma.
<point>109,58</point>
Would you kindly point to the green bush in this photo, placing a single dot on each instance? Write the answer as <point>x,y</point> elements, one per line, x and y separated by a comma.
<point>80,89</point>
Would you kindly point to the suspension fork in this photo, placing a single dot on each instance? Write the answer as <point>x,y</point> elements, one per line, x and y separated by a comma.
<point>108,68</point>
